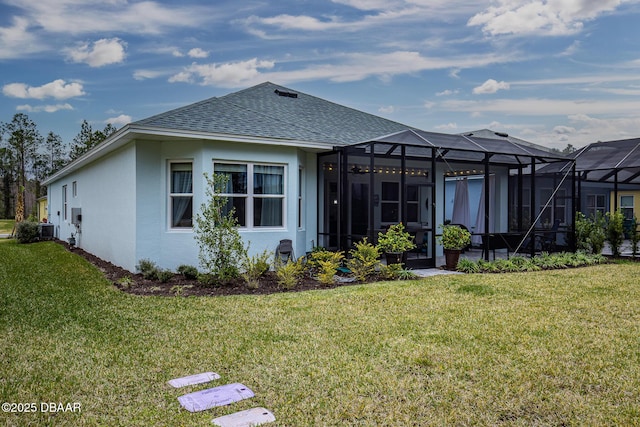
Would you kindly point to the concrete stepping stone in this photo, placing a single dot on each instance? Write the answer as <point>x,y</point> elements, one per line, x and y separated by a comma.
<point>217,396</point>
<point>202,378</point>
<point>249,418</point>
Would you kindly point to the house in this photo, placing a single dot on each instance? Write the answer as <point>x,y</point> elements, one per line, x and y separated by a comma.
<point>299,167</point>
<point>135,196</point>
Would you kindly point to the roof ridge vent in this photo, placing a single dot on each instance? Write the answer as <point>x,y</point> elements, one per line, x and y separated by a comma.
<point>287,94</point>
<point>502,134</point>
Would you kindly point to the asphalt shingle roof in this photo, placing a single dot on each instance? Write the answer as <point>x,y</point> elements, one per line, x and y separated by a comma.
<point>260,111</point>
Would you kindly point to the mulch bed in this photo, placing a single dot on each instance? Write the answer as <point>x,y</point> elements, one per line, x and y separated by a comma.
<point>178,285</point>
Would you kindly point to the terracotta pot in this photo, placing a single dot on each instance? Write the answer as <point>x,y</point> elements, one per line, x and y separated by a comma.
<point>451,257</point>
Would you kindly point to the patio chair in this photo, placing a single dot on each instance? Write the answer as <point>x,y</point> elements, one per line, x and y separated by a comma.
<point>284,251</point>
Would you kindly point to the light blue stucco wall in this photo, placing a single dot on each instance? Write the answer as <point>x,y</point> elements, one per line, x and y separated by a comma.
<point>124,197</point>
<point>106,196</point>
<point>170,248</point>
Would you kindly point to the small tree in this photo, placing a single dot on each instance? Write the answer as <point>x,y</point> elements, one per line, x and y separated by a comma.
<point>634,236</point>
<point>615,231</point>
<point>221,247</point>
<point>590,232</point>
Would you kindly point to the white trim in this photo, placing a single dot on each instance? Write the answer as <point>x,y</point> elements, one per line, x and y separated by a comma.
<point>249,195</point>
<point>132,132</point>
<point>170,196</point>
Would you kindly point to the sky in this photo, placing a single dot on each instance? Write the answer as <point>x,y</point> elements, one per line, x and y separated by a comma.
<point>552,72</point>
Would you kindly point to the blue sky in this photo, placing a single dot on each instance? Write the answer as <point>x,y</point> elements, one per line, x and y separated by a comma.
<point>553,72</point>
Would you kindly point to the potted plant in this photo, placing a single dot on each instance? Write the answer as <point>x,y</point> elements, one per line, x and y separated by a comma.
<point>394,243</point>
<point>453,240</point>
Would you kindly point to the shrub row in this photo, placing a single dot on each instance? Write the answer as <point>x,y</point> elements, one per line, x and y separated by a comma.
<point>545,261</point>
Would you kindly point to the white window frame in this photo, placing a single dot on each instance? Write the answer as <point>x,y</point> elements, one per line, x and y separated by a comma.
<point>74,188</point>
<point>301,210</point>
<point>627,207</point>
<point>249,196</point>
<point>65,203</point>
<point>171,195</point>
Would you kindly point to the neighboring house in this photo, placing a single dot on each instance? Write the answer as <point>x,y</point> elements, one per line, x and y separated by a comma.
<point>42,212</point>
<point>135,196</point>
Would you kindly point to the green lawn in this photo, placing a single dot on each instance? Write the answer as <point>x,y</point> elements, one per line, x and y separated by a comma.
<point>545,348</point>
<point>6,226</point>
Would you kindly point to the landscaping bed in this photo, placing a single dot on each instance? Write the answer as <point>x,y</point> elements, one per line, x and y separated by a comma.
<point>178,285</point>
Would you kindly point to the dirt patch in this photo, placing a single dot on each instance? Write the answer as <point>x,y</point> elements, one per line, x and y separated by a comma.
<point>178,285</point>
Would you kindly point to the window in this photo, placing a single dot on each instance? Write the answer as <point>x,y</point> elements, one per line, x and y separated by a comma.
<point>300,198</point>
<point>595,203</point>
<point>560,206</point>
<point>626,206</point>
<point>390,202</point>
<point>74,188</point>
<point>256,192</point>
<point>64,202</point>
<point>181,194</point>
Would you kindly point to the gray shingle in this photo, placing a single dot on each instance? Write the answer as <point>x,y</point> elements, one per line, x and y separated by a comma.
<point>260,112</point>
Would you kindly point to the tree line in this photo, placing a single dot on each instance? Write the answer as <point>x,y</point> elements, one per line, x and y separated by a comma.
<point>27,158</point>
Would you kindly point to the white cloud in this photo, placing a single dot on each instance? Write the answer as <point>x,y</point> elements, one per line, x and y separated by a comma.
<point>57,89</point>
<point>564,129</point>
<point>386,110</point>
<point>540,17</point>
<point>449,127</point>
<point>17,41</point>
<point>358,66</point>
<point>544,106</point>
<point>490,86</point>
<point>46,108</point>
<point>198,53</point>
<point>84,17</point>
<point>572,49</point>
<point>119,121</point>
<point>147,74</point>
<point>447,92</point>
<point>100,53</point>
<point>231,74</point>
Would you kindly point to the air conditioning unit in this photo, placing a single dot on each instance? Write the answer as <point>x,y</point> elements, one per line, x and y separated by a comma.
<point>46,231</point>
<point>76,216</point>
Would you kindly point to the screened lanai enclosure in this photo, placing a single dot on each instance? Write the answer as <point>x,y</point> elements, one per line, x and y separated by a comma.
<point>608,177</point>
<point>403,177</point>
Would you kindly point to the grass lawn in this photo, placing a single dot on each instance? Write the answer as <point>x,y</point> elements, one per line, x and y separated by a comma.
<point>544,348</point>
<point>6,226</point>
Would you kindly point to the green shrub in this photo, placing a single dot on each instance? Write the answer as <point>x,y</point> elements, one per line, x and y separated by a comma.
<point>208,280</point>
<point>255,267</point>
<point>188,271</point>
<point>405,274</point>
<point>290,273</point>
<point>391,271</point>
<point>323,262</point>
<point>221,246</point>
<point>468,266</point>
<point>364,260</point>
<point>487,266</point>
<point>148,269</point>
<point>27,232</point>
<point>615,231</point>
<point>634,236</point>
<point>165,275</point>
<point>125,282</point>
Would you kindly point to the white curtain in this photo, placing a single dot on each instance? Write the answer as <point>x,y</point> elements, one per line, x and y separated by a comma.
<point>181,182</point>
<point>268,180</point>
<point>461,212</point>
<point>476,240</point>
